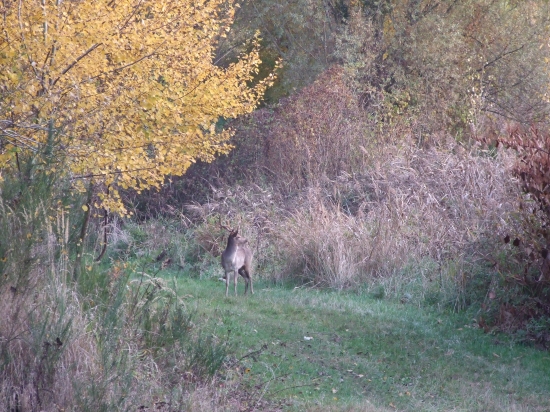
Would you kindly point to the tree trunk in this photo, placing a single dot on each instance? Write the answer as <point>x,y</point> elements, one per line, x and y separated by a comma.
<point>83,232</point>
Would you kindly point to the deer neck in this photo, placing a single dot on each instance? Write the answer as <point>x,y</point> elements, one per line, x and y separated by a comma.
<point>231,244</point>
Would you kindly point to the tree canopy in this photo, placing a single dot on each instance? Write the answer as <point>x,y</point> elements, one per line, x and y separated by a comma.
<point>130,87</point>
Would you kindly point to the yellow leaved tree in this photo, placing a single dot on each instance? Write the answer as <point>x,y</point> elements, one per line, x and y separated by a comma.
<point>129,86</point>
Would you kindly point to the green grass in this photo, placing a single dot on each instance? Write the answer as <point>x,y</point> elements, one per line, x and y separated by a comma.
<point>365,352</point>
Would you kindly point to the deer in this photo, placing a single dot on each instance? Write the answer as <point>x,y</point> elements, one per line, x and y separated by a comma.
<point>237,258</point>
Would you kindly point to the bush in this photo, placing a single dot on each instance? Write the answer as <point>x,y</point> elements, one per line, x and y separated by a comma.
<point>519,297</point>
<point>119,339</point>
<point>37,307</point>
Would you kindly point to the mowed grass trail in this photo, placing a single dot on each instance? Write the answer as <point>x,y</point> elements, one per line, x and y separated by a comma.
<point>321,350</point>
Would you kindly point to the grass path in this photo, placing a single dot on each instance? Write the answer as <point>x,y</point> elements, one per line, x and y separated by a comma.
<point>332,351</point>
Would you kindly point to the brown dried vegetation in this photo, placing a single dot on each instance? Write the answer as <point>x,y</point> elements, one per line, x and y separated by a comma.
<point>350,203</point>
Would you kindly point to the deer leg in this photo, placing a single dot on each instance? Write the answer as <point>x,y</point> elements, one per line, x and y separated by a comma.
<point>244,273</point>
<point>235,280</point>
<point>226,284</point>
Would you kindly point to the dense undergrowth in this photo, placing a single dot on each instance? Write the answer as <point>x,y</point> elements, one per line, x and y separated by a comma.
<point>117,339</point>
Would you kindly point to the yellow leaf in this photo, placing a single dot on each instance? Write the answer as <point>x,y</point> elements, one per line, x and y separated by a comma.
<point>122,90</point>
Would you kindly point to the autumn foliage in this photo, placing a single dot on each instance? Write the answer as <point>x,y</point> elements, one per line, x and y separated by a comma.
<point>522,302</point>
<point>533,166</point>
<point>131,87</point>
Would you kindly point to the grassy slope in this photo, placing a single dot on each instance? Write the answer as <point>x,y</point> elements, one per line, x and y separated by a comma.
<point>367,352</point>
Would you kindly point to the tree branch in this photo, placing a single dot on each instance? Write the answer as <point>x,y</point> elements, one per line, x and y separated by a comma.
<point>501,56</point>
<point>70,66</point>
<point>117,172</point>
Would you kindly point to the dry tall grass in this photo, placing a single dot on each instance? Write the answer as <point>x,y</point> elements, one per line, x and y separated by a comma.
<point>347,201</point>
<point>409,207</point>
<point>439,210</point>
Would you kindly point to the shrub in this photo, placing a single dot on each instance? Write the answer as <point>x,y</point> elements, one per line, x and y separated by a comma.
<point>37,307</point>
<point>520,300</point>
<point>119,339</point>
